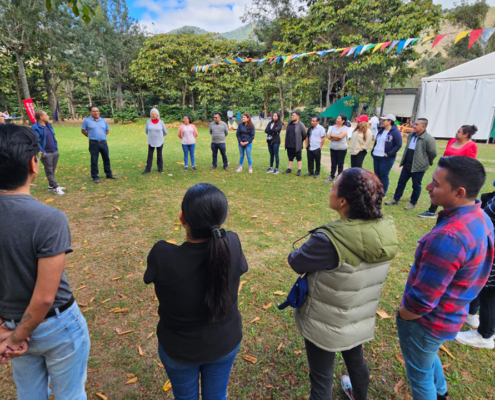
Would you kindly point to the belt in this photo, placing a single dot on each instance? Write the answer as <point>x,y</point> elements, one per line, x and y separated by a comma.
<point>97,141</point>
<point>50,313</point>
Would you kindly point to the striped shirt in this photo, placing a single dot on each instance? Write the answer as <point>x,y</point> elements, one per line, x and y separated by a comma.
<point>452,264</point>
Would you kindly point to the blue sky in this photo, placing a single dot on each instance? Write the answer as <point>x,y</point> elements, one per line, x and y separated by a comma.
<point>212,15</point>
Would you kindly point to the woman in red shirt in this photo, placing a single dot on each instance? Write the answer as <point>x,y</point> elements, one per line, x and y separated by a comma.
<point>461,145</point>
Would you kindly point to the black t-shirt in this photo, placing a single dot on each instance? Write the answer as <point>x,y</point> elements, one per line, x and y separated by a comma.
<point>185,329</point>
<point>408,161</point>
<point>290,136</point>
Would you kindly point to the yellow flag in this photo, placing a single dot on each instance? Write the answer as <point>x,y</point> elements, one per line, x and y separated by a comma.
<point>377,47</point>
<point>426,39</point>
<point>461,35</point>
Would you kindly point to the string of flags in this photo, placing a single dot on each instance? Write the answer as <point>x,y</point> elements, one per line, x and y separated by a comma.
<point>392,47</point>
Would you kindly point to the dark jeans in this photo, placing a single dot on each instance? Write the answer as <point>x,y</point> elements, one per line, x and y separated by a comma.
<point>405,175</point>
<point>337,157</point>
<point>321,364</point>
<point>382,167</point>
<point>273,149</point>
<point>433,208</point>
<point>185,378</point>
<point>159,158</point>
<point>50,163</point>
<point>358,159</point>
<point>95,148</point>
<point>314,156</point>
<point>223,151</point>
<point>485,304</point>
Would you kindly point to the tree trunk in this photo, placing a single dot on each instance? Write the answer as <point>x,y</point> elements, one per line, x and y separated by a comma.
<point>192,102</point>
<point>321,101</point>
<point>19,96</point>
<point>329,87</point>
<point>48,87</point>
<point>60,116</point>
<point>184,92</point>
<point>281,98</point>
<point>110,98</point>
<point>88,93</point>
<point>142,101</point>
<point>206,111</point>
<point>119,99</point>
<point>22,76</point>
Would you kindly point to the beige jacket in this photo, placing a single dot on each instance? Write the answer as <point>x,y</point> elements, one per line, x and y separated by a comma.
<point>358,143</point>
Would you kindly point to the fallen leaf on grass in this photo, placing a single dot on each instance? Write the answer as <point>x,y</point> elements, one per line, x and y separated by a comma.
<point>101,396</point>
<point>256,319</point>
<point>140,351</point>
<point>383,314</point>
<point>400,359</point>
<point>297,352</point>
<point>124,332</point>
<point>250,359</point>
<point>268,386</point>
<point>151,334</point>
<point>117,310</point>
<point>442,347</point>
<point>122,296</point>
<point>446,366</point>
<point>116,279</point>
<point>167,386</point>
<point>279,293</point>
<point>241,284</point>
<point>177,223</point>
<point>254,216</point>
<point>280,346</point>
<point>117,208</point>
<point>176,229</point>
<point>80,288</point>
<point>131,381</point>
<point>267,306</point>
<point>87,309</point>
<point>49,200</point>
<point>398,385</point>
<point>104,301</point>
<point>130,375</point>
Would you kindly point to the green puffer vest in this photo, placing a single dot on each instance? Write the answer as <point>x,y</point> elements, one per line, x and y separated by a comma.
<point>339,311</point>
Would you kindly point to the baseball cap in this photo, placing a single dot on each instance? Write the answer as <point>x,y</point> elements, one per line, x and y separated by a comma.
<point>363,118</point>
<point>389,116</point>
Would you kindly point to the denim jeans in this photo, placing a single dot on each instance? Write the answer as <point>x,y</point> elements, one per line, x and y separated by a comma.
<point>159,158</point>
<point>423,366</point>
<point>95,149</point>
<point>223,151</point>
<point>246,150</point>
<point>405,175</point>
<point>185,378</point>
<point>189,149</point>
<point>382,167</point>
<point>58,354</point>
<point>274,156</point>
<point>485,304</point>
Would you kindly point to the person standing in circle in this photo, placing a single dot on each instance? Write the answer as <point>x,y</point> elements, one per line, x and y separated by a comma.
<point>295,135</point>
<point>461,145</point>
<point>245,137</point>
<point>188,134</point>
<point>272,131</point>
<point>156,131</point>
<point>337,134</point>
<point>360,141</point>
<point>314,143</point>
<point>197,284</point>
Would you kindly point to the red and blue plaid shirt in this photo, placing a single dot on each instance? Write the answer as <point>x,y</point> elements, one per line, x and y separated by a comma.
<point>452,264</point>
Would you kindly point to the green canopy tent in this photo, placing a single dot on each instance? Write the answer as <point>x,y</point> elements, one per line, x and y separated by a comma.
<point>346,106</point>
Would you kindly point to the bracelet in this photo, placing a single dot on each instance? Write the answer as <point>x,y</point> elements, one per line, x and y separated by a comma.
<point>8,347</point>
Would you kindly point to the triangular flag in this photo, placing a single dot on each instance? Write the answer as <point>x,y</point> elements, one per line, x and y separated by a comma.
<point>487,33</point>
<point>345,51</point>
<point>367,47</point>
<point>414,41</point>
<point>410,41</point>
<point>475,34</point>
<point>437,40</point>
<point>358,50</point>
<point>384,45</point>
<point>401,45</point>
<point>351,52</point>
<point>461,35</point>
<point>279,58</point>
<point>427,39</point>
<point>377,47</point>
<point>394,43</point>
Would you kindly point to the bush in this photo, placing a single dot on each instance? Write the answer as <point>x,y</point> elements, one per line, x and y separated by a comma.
<point>126,115</point>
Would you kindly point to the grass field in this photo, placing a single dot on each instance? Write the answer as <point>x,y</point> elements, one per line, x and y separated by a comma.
<point>115,224</point>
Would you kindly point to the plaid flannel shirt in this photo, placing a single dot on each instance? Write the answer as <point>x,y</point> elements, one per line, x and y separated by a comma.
<point>452,264</point>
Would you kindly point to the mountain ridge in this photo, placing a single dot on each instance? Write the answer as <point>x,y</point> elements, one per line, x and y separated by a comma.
<point>241,34</point>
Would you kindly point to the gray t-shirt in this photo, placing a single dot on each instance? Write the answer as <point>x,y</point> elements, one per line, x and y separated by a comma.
<point>29,230</point>
<point>338,144</point>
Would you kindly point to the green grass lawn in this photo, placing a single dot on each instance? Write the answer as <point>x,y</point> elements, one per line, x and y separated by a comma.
<point>115,224</point>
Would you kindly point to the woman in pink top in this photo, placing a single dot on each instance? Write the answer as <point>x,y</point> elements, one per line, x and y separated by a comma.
<point>461,145</point>
<point>188,134</point>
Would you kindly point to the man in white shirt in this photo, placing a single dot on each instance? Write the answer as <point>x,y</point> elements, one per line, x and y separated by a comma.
<point>374,121</point>
<point>314,143</point>
<point>230,117</point>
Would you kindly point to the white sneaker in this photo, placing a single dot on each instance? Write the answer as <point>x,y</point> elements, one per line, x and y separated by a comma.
<point>250,170</point>
<point>239,169</point>
<point>347,387</point>
<point>58,190</point>
<point>473,321</point>
<point>473,338</point>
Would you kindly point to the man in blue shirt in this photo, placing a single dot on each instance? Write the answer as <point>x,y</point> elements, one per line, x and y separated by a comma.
<point>96,129</point>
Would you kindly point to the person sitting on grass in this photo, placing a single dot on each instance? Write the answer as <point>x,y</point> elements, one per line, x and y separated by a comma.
<point>344,282</point>
<point>197,283</point>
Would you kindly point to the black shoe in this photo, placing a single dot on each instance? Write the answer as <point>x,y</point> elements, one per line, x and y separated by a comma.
<point>160,171</point>
<point>145,172</point>
<point>96,180</point>
<point>308,174</point>
<point>443,396</point>
<point>288,171</point>
<point>298,172</point>
<point>317,176</point>
<point>112,177</point>
<point>193,168</point>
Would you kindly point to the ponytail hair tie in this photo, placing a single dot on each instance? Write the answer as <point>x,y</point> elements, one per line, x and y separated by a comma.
<point>218,233</point>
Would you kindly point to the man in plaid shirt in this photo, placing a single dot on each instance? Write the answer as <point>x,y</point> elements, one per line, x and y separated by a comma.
<point>452,264</point>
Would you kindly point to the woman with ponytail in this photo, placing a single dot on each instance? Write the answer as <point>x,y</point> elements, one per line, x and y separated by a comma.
<point>196,283</point>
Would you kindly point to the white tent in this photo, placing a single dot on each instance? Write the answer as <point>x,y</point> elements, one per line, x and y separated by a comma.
<point>463,95</point>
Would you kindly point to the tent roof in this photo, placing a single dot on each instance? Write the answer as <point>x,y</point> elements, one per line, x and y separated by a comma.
<point>346,105</point>
<point>479,68</point>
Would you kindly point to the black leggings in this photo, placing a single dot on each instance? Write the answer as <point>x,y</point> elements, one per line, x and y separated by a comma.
<point>337,157</point>
<point>358,159</point>
<point>321,364</point>
<point>433,208</point>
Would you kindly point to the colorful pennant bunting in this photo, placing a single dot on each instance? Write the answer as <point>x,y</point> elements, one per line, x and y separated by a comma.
<point>437,40</point>
<point>461,35</point>
<point>475,34</point>
<point>487,33</point>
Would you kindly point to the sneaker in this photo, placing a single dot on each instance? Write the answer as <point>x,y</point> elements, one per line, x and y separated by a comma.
<point>473,338</point>
<point>288,171</point>
<point>329,179</point>
<point>213,168</point>
<point>239,169</point>
<point>160,171</point>
<point>112,177</point>
<point>427,214</point>
<point>298,172</point>
<point>194,168</point>
<point>473,321</point>
<point>269,170</point>
<point>250,170</point>
<point>391,202</point>
<point>308,174</point>
<point>58,190</point>
<point>145,172</point>
<point>275,171</point>
<point>410,206</point>
<point>96,180</point>
<point>443,396</point>
<point>50,188</point>
<point>347,387</point>
<point>226,168</point>
<point>317,176</point>
<point>185,169</point>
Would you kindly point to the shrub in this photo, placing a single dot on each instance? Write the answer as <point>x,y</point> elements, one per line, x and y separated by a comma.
<point>126,115</point>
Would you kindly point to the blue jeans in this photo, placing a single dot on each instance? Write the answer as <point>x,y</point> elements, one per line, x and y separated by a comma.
<point>189,148</point>
<point>246,150</point>
<point>223,151</point>
<point>423,366</point>
<point>273,149</point>
<point>382,167</point>
<point>405,175</point>
<point>185,378</point>
<point>58,354</point>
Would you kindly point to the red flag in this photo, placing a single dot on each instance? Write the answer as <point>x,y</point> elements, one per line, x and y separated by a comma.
<point>475,34</point>
<point>346,51</point>
<point>437,40</point>
<point>384,45</point>
<point>30,109</point>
